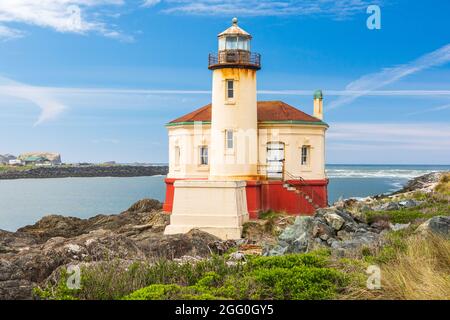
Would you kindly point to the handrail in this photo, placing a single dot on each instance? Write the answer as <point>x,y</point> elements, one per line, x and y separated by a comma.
<point>234,58</point>
<point>312,193</point>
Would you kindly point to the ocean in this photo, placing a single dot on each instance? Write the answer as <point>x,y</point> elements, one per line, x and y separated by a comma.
<point>23,202</point>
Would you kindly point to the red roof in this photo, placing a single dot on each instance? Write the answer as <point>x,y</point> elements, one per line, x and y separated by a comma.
<point>267,111</point>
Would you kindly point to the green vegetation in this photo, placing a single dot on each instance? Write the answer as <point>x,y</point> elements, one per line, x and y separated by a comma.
<point>6,168</point>
<point>413,266</point>
<point>434,204</point>
<point>301,276</point>
<point>444,185</point>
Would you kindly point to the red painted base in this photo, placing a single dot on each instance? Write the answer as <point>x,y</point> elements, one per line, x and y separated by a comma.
<point>273,195</point>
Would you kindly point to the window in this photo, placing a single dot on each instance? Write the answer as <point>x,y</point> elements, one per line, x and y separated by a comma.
<point>204,155</point>
<point>229,139</point>
<point>230,89</point>
<point>231,43</point>
<point>243,44</point>
<point>177,156</point>
<point>305,155</point>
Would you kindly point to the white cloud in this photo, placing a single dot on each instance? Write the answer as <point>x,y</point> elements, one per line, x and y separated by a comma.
<point>53,100</point>
<point>150,3</point>
<point>50,107</point>
<point>440,108</point>
<point>368,83</point>
<point>334,8</point>
<point>389,136</point>
<point>74,16</point>
<point>7,33</point>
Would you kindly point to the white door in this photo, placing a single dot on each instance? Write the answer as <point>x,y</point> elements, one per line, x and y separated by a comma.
<point>275,160</point>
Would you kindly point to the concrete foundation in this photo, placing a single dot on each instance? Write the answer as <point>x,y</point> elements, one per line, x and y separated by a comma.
<point>216,207</point>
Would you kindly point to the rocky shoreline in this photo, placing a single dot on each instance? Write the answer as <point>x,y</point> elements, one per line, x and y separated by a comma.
<point>35,254</point>
<point>84,171</point>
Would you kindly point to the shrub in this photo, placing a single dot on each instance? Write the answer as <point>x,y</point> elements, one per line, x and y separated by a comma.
<point>317,259</point>
<point>156,292</point>
<point>299,283</point>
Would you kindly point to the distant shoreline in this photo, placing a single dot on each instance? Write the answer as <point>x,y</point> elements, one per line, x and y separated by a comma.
<point>84,172</point>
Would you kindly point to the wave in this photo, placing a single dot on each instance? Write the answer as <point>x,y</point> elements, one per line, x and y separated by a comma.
<point>404,174</point>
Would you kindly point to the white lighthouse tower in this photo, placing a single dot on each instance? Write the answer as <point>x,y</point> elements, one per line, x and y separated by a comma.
<point>219,205</point>
<point>234,123</point>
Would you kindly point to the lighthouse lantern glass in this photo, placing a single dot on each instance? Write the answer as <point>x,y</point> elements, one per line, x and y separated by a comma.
<point>234,43</point>
<point>243,43</point>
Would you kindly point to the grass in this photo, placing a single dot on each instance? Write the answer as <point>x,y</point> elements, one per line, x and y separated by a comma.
<point>444,185</point>
<point>301,276</point>
<point>6,168</point>
<point>412,268</point>
<point>434,204</point>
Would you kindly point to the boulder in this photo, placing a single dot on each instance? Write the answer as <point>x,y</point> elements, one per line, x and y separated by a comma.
<point>388,206</point>
<point>409,203</point>
<point>143,216</point>
<point>438,225</point>
<point>334,220</point>
<point>322,230</point>
<point>193,243</point>
<point>294,239</point>
<point>55,226</point>
<point>145,205</point>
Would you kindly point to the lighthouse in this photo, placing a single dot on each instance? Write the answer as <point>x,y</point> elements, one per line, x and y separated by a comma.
<point>236,157</point>
<point>234,123</point>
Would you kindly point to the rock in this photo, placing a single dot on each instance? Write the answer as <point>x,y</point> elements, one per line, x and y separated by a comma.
<point>334,220</point>
<point>388,206</point>
<point>322,230</point>
<point>84,171</point>
<point>438,225</point>
<point>409,203</point>
<point>193,243</point>
<point>353,246</point>
<point>381,225</point>
<point>237,257</point>
<point>13,242</point>
<point>55,226</point>
<point>137,220</point>
<point>344,235</point>
<point>294,239</point>
<point>16,290</point>
<point>346,216</point>
<point>31,255</point>
<point>399,226</point>
<point>145,205</point>
<point>421,183</point>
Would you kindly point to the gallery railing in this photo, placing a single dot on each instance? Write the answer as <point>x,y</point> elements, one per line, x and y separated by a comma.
<point>236,58</point>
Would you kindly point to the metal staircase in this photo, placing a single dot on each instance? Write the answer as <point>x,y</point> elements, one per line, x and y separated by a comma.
<point>309,197</point>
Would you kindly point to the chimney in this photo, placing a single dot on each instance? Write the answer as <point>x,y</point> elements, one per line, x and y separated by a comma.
<point>318,104</point>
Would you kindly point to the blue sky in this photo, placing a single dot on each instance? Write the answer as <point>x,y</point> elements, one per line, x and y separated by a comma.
<point>97,80</point>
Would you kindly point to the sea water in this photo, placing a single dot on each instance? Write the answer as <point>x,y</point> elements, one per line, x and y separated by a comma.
<point>25,201</point>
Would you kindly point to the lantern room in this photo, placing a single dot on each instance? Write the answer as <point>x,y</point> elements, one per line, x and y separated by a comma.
<point>235,50</point>
<point>234,38</point>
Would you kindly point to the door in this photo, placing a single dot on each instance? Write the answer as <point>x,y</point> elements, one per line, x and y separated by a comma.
<point>275,160</point>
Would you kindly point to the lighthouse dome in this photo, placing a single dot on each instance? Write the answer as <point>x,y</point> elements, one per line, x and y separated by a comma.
<point>235,30</point>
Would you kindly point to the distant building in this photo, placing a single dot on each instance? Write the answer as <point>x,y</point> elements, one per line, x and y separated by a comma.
<point>35,160</point>
<point>15,162</point>
<point>46,158</point>
<point>5,158</point>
